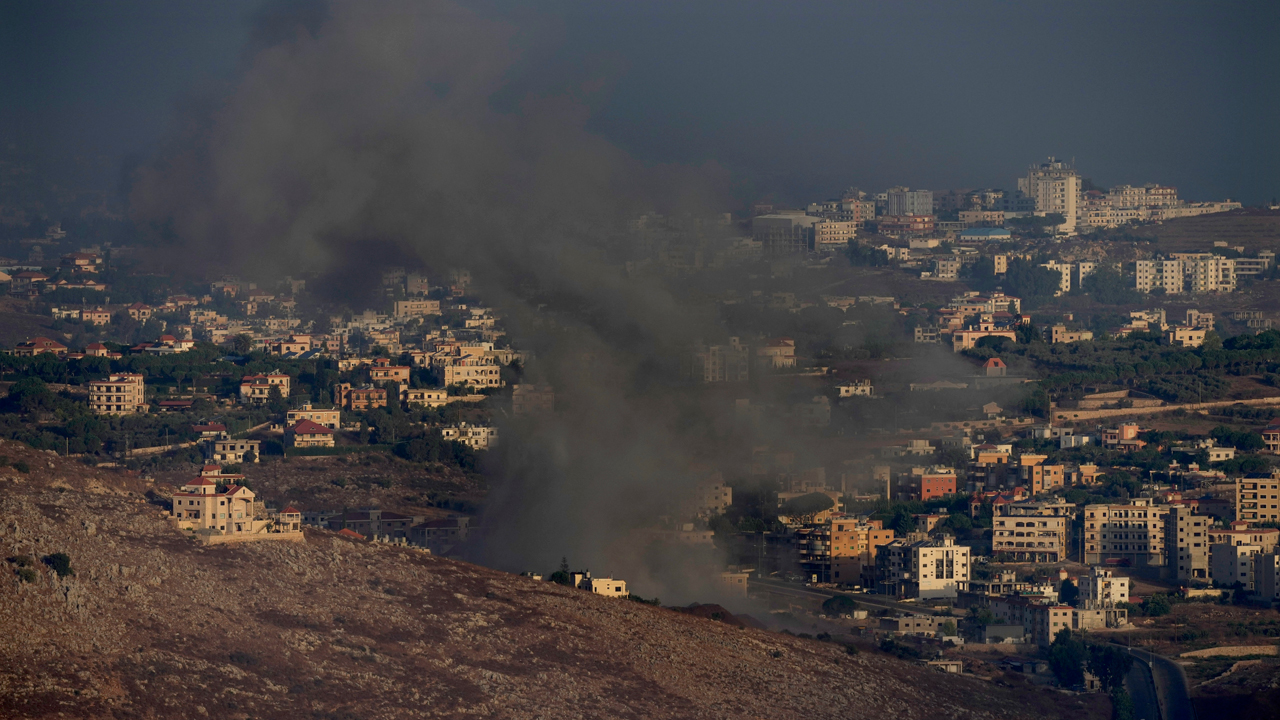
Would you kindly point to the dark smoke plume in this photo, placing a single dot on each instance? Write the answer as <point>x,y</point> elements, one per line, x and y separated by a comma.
<point>369,135</point>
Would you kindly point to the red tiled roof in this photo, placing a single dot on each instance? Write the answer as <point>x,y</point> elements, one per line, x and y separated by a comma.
<point>350,533</point>
<point>202,481</point>
<point>291,510</point>
<point>993,362</point>
<point>211,427</point>
<point>308,427</point>
<point>43,342</point>
<point>96,346</point>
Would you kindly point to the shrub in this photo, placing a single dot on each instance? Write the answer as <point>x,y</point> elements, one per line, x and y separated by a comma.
<point>60,562</point>
<point>22,466</point>
<point>240,657</point>
<point>26,574</point>
<point>21,560</point>
<point>839,605</point>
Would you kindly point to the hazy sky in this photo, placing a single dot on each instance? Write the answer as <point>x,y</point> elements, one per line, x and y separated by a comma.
<point>795,98</point>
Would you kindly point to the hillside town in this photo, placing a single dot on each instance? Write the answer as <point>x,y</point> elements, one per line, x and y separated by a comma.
<point>1050,425</point>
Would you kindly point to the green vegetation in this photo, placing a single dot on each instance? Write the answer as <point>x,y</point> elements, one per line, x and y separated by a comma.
<point>1066,658</point>
<point>60,562</point>
<point>839,605</point>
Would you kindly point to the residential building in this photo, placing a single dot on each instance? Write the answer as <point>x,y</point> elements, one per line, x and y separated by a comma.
<point>1257,499</point>
<point>405,309</point>
<point>915,624</point>
<point>1271,436</point>
<point>217,509</point>
<point>441,536</point>
<point>608,587</point>
<point>1239,533</point>
<point>720,363</point>
<point>532,399</point>
<point>257,388</point>
<point>927,483</point>
<point>476,437</point>
<point>1103,588</point>
<point>1231,564</point>
<point>473,371</point>
<point>39,345</point>
<point>359,399</point>
<point>855,388</point>
<point>1060,334</point>
<point>1055,187</point>
<point>784,234</point>
<point>841,549</point>
<point>1187,542</point>
<point>429,397</point>
<point>307,433</point>
<point>1266,575</point>
<point>330,418</point>
<point>925,568</point>
<point>778,353</point>
<point>231,451</point>
<point>1027,533</point>
<point>1037,476</point>
<point>1183,336</point>
<point>902,201</point>
<point>119,394</point>
<point>1131,534</point>
<point>1152,274</point>
<point>373,523</point>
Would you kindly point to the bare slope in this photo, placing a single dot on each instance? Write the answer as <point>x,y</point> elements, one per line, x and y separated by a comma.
<point>153,626</point>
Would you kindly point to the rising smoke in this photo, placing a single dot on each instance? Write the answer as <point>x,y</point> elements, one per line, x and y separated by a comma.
<point>390,133</point>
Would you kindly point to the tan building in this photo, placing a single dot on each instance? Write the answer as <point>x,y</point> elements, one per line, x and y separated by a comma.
<point>476,437</point>
<point>230,451</point>
<point>359,399</point>
<point>923,568</point>
<point>257,388</point>
<point>1187,542</point>
<point>1061,334</point>
<point>382,371</point>
<point>1258,499</point>
<point>1030,537</point>
<point>1182,336</point>
<point>1055,187</point>
<point>1103,588</point>
<point>1132,534</point>
<point>1038,477</point>
<point>1231,564</point>
<point>427,397</point>
<point>37,346</point>
<point>416,308</point>
<point>217,509</point>
<point>330,418</point>
<point>307,434</point>
<point>120,394</point>
<point>481,372</point>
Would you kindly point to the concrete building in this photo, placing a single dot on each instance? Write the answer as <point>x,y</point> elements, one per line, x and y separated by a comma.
<point>1103,588</point>
<point>1257,499</point>
<point>305,434</point>
<point>1187,542</point>
<point>1231,564</point>
<point>330,418</point>
<point>257,388</point>
<point>1055,187</point>
<point>784,234</point>
<point>217,509</point>
<point>531,399</point>
<point>231,451</point>
<point>1060,334</point>
<point>902,201</point>
<point>119,394</point>
<point>1026,533</point>
<point>777,353</point>
<point>923,569</point>
<point>1131,534</point>
<point>1266,575</point>
<point>476,437</point>
<point>720,363</point>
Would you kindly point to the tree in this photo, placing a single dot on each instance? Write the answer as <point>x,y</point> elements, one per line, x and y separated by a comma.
<point>1110,664</point>
<point>839,605</point>
<point>1069,593</point>
<point>242,344</point>
<point>947,628</point>
<point>1066,658</point>
<point>806,506</point>
<point>1157,606</point>
<point>250,456</point>
<point>60,562</point>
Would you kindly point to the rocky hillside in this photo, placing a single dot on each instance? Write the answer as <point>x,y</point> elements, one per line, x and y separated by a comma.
<point>151,625</point>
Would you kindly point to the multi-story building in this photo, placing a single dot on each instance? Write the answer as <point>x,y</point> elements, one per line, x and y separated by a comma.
<point>481,372</point>
<point>1183,336</point>
<point>927,483</point>
<point>777,353</point>
<point>1257,499</point>
<point>1037,476</point>
<point>902,201</point>
<point>833,235</point>
<point>232,451</point>
<point>1031,532</point>
<point>1186,272</point>
<point>476,437</point>
<point>721,363</point>
<point>841,549</point>
<point>1055,187</point>
<point>306,433</point>
<point>257,388</point>
<point>1152,274</point>
<point>1271,436</point>
<point>416,308</point>
<point>359,399</point>
<point>1231,564</point>
<point>1130,534</point>
<point>1187,542</point>
<point>215,507</point>
<point>330,418</point>
<point>1103,588</point>
<point>1060,334</point>
<point>923,568</point>
<point>119,394</point>
<point>429,397</point>
<point>784,234</point>
<point>1239,533</point>
<point>1266,575</point>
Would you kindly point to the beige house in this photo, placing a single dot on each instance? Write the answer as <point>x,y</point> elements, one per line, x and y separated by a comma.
<point>607,587</point>
<point>257,388</point>
<point>1062,335</point>
<point>218,510</point>
<point>330,418</point>
<point>1183,336</point>
<point>476,437</point>
<point>416,308</point>
<point>428,397</point>
<point>778,353</point>
<point>122,394</point>
<point>309,434</point>
<point>481,372</point>
<point>230,451</point>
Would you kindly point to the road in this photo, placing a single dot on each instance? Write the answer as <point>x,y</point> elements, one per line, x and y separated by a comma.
<point>1142,689</point>
<point>818,595</point>
<point>1171,686</point>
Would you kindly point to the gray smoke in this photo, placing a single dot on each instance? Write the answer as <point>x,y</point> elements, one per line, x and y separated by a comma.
<point>387,133</point>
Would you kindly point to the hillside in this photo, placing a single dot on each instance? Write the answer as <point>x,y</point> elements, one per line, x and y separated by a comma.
<point>1254,229</point>
<point>152,626</point>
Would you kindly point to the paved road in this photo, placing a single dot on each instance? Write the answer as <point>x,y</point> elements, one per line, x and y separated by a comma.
<point>819,595</point>
<point>1172,689</point>
<point>1143,691</point>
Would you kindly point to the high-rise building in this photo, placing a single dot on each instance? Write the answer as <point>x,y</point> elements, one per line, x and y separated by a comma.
<point>1133,532</point>
<point>902,201</point>
<point>120,394</point>
<point>1187,540</point>
<point>1055,187</point>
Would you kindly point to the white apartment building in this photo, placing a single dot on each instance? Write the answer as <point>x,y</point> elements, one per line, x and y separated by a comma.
<point>1055,187</point>
<point>476,437</point>
<point>121,394</point>
<point>928,568</point>
<point>1230,564</point>
<point>1187,272</point>
<point>1151,274</point>
<point>1102,588</point>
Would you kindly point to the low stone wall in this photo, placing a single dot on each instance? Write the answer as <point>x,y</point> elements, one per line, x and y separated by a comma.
<point>1069,414</point>
<point>244,538</point>
<point>1232,651</point>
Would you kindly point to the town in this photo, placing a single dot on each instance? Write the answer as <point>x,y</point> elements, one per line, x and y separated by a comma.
<point>1099,443</point>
